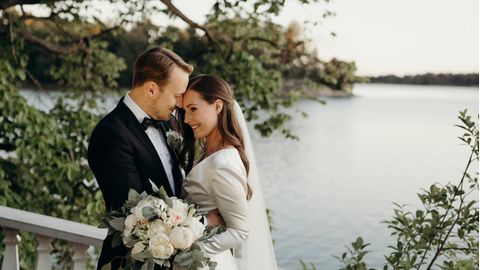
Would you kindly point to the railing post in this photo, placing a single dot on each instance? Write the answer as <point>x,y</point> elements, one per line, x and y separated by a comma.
<point>10,256</point>
<point>44,249</point>
<point>79,256</point>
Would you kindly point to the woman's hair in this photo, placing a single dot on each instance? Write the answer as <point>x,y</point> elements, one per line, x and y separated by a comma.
<point>213,88</point>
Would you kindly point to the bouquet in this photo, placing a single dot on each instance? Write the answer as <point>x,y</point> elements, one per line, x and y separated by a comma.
<point>159,230</point>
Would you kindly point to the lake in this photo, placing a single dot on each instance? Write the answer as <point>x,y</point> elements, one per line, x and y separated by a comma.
<point>356,156</point>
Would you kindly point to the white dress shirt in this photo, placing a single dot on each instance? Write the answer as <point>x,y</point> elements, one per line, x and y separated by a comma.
<point>156,137</point>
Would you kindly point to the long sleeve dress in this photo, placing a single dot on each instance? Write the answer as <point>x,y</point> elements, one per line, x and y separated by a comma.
<point>220,181</point>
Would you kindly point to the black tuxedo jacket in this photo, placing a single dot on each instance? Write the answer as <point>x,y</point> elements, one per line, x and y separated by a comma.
<point>122,157</point>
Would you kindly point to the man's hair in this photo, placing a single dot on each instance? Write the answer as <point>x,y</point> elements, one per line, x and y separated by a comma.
<point>156,65</point>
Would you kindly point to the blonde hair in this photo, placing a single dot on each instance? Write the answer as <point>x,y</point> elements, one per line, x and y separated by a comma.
<point>156,65</point>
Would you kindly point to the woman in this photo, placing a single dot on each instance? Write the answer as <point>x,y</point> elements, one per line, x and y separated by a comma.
<point>222,178</point>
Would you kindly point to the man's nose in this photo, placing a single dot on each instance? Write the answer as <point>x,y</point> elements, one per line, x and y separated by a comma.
<point>178,101</point>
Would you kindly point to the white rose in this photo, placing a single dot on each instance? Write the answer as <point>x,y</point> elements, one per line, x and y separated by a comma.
<point>182,237</point>
<point>138,247</point>
<point>178,212</point>
<point>196,226</point>
<point>179,206</point>
<point>155,228</point>
<point>160,247</point>
<point>131,221</point>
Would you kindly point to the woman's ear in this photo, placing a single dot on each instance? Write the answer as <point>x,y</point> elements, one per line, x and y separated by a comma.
<point>218,106</point>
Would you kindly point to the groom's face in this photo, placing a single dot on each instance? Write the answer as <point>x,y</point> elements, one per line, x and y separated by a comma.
<point>167,98</point>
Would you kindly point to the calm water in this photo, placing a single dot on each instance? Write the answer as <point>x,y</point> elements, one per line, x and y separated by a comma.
<point>355,157</point>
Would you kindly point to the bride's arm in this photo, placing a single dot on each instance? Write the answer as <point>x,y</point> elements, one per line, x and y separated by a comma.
<point>229,190</point>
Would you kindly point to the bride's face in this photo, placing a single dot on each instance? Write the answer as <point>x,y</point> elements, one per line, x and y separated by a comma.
<point>200,115</point>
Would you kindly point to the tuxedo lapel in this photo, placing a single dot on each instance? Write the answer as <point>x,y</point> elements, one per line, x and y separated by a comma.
<point>137,129</point>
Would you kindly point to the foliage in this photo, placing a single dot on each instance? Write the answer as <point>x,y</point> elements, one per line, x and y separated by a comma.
<point>306,266</point>
<point>353,259</point>
<point>444,233</point>
<point>43,165</point>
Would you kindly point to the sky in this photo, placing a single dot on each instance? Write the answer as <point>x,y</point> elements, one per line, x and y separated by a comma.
<point>400,37</point>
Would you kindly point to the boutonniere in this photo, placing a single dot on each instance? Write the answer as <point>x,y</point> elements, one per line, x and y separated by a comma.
<point>175,142</point>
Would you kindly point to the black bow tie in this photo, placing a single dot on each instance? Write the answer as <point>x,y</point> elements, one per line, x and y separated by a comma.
<point>149,122</point>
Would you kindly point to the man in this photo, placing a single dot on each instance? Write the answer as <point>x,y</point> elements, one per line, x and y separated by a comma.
<point>128,146</point>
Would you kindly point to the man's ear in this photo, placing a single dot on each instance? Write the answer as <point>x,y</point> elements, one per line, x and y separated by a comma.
<point>218,106</point>
<point>151,88</point>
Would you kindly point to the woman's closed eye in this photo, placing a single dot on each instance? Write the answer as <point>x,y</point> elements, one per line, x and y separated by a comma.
<point>192,109</point>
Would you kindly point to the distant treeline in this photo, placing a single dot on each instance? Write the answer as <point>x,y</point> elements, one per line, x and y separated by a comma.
<point>470,79</point>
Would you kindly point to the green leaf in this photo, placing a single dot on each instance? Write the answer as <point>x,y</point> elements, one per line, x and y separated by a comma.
<point>148,265</point>
<point>133,195</point>
<point>118,224</point>
<point>148,212</point>
<point>304,266</point>
<point>154,187</point>
<point>116,239</point>
<point>141,256</point>
<point>21,74</point>
<point>107,266</point>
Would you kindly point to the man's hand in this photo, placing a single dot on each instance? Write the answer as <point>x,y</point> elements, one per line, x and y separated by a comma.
<point>214,218</point>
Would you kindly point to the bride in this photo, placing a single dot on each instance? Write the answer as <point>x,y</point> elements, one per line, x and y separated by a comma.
<point>226,178</point>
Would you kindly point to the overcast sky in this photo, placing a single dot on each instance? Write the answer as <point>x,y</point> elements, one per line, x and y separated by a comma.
<point>381,36</point>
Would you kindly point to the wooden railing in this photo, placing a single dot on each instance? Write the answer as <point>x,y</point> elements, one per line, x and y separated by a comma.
<point>46,229</point>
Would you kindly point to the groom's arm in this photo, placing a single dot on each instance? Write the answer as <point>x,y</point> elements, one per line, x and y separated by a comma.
<point>111,158</point>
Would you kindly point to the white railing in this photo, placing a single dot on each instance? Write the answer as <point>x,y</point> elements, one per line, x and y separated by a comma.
<point>46,229</point>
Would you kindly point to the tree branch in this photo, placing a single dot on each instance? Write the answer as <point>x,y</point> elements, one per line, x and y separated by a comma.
<point>271,42</point>
<point>81,45</point>
<point>443,241</point>
<point>30,37</point>
<point>192,24</point>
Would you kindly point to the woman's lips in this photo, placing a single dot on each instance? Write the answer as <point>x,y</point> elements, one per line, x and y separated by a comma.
<point>195,127</point>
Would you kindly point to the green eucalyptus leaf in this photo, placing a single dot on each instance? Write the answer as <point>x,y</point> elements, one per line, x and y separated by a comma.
<point>118,223</point>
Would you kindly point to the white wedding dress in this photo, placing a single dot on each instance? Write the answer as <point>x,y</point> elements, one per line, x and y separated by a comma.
<point>220,182</point>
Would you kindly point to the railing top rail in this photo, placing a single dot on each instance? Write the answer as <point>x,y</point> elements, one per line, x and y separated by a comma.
<point>51,226</point>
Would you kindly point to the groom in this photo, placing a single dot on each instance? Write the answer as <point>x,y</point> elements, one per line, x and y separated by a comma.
<point>128,146</point>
